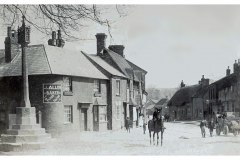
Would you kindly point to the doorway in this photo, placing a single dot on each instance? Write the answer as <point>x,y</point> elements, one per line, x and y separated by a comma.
<point>125,113</point>
<point>175,114</point>
<point>84,126</point>
<point>95,118</point>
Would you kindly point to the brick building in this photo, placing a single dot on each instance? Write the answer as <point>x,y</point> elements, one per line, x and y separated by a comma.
<point>223,94</point>
<point>72,91</point>
<point>114,55</point>
<point>117,92</point>
<point>63,85</point>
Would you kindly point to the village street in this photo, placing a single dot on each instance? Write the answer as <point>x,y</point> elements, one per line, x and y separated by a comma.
<point>179,139</point>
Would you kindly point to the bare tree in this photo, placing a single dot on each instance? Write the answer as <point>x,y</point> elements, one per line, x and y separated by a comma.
<point>67,18</point>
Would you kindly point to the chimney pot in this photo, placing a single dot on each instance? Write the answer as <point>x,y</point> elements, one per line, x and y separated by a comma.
<point>228,71</point>
<point>53,35</point>
<point>182,84</point>
<point>59,34</point>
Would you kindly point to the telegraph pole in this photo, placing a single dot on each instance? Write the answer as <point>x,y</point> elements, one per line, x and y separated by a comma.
<point>24,40</point>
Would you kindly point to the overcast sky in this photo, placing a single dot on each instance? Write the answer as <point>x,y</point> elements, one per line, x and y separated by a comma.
<point>172,43</point>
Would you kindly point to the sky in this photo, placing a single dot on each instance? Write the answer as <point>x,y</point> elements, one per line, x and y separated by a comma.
<point>171,42</point>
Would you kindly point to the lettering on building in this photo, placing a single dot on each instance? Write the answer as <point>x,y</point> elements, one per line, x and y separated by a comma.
<point>52,93</point>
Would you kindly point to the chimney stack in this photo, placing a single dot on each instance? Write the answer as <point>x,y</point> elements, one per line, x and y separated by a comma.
<point>11,44</point>
<point>117,49</point>
<point>235,67</point>
<point>59,42</point>
<point>101,42</point>
<point>204,81</point>
<point>228,71</point>
<point>182,84</point>
<point>52,42</point>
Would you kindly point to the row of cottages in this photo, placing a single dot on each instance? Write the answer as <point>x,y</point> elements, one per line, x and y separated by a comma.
<point>206,100</point>
<point>187,103</point>
<point>72,91</point>
<point>223,95</point>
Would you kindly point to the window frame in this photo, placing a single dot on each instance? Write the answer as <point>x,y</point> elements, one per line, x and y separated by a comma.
<point>118,111</point>
<point>67,85</point>
<point>97,86</point>
<point>118,87</point>
<point>68,114</point>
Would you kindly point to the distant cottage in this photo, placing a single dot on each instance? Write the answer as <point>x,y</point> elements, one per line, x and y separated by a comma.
<point>186,103</point>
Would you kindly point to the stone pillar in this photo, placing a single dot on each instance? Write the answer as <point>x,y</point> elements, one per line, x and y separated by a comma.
<point>25,133</point>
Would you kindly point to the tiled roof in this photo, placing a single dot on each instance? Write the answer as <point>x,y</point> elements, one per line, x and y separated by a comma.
<point>226,81</point>
<point>121,63</point>
<point>135,67</point>
<point>162,101</point>
<point>67,62</point>
<point>105,65</point>
<point>52,60</point>
<point>37,63</point>
<point>183,95</point>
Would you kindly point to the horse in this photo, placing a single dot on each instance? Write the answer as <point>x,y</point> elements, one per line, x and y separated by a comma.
<point>202,127</point>
<point>156,127</point>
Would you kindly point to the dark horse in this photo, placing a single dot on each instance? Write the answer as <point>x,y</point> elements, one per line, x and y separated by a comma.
<point>156,127</point>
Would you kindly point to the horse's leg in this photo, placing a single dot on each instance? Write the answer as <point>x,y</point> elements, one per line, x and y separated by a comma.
<point>150,137</point>
<point>204,132</point>
<point>161,136</point>
<point>153,137</point>
<point>157,138</point>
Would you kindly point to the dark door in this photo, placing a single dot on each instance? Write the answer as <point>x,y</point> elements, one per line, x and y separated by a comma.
<point>3,118</point>
<point>84,119</point>
<point>95,118</point>
<point>137,117</point>
<point>125,113</point>
<point>175,114</point>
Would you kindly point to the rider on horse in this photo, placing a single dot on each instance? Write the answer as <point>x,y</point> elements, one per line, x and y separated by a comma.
<point>157,115</point>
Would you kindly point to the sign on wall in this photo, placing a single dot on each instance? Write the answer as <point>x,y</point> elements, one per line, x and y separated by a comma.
<point>52,93</point>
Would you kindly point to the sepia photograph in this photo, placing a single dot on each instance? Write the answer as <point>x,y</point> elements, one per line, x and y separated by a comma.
<point>119,79</point>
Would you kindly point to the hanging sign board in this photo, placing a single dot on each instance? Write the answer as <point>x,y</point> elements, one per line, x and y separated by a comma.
<point>52,93</point>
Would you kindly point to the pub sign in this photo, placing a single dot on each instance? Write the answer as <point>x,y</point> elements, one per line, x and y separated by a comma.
<point>52,93</point>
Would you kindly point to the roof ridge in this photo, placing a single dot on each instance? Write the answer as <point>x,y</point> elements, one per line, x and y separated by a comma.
<point>47,59</point>
<point>91,57</point>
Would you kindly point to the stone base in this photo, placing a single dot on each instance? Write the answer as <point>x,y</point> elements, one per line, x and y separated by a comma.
<point>25,134</point>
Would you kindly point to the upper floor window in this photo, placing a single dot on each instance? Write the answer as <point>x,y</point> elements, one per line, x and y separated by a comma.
<point>67,84</point>
<point>97,86</point>
<point>118,87</point>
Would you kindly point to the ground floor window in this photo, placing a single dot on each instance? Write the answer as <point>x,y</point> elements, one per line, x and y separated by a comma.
<point>118,105</point>
<point>68,114</point>
<point>102,113</point>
